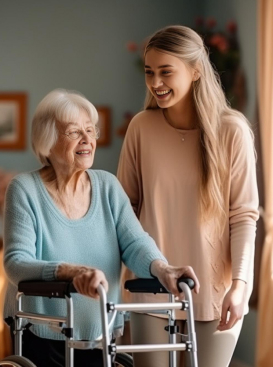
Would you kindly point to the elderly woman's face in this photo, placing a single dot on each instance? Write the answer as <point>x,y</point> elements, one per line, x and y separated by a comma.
<point>74,154</point>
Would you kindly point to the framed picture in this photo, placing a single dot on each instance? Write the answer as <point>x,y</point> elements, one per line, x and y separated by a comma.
<point>104,126</point>
<point>13,111</point>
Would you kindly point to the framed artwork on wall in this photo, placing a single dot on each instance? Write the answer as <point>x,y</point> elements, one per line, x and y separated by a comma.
<point>104,125</point>
<point>13,111</point>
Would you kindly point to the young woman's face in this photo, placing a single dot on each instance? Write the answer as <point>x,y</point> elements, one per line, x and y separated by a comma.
<point>168,78</point>
<point>72,153</point>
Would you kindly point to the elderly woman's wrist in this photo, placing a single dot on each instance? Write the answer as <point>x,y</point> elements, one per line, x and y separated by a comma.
<point>69,271</point>
<point>157,266</point>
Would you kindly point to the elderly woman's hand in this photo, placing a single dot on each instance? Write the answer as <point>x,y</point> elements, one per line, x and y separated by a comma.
<point>168,275</point>
<point>85,279</point>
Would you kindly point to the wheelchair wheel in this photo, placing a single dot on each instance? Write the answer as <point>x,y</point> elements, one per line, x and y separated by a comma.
<point>123,360</point>
<point>16,361</point>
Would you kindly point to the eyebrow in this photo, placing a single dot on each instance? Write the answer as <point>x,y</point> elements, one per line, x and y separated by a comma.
<point>75,124</point>
<point>160,67</point>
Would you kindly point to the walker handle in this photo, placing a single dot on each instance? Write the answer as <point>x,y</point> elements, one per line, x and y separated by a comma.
<point>54,289</point>
<point>153,285</point>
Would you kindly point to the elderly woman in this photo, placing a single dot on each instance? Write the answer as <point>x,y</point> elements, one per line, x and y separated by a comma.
<point>69,222</point>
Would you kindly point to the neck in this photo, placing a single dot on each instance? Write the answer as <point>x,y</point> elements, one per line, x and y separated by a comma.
<point>64,182</point>
<point>182,118</point>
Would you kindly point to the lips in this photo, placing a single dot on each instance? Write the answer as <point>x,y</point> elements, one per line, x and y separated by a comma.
<point>83,152</point>
<point>161,94</point>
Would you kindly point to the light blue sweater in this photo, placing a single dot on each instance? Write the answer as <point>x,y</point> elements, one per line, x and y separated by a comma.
<point>38,237</point>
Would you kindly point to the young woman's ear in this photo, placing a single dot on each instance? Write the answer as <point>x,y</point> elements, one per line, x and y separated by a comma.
<point>196,75</point>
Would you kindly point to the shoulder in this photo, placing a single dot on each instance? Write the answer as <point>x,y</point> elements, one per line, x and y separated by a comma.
<point>236,130</point>
<point>21,192</point>
<point>101,175</point>
<point>104,179</point>
<point>144,118</point>
<point>108,185</point>
<point>24,181</point>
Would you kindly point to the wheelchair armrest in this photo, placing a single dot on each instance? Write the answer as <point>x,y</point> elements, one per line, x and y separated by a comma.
<point>153,285</point>
<point>55,289</point>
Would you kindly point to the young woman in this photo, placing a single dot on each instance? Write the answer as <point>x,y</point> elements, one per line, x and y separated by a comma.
<point>188,167</point>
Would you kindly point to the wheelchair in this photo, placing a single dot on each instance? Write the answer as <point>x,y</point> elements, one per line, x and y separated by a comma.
<point>113,355</point>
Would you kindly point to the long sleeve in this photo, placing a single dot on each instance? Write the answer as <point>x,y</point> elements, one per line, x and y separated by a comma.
<point>137,248</point>
<point>128,169</point>
<point>21,260</point>
<point>243,212</point>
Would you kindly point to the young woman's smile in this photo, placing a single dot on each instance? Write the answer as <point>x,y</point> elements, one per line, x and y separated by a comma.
<point>168,78</point>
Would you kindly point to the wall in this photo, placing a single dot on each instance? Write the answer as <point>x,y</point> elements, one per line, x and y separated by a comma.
<point>79,45</point>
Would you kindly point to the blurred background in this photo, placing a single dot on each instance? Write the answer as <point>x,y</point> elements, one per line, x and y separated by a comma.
<point>94,47</point>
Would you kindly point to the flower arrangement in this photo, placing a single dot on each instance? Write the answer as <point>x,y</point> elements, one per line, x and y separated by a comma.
<point>224,53</point>
<point>135,48</point>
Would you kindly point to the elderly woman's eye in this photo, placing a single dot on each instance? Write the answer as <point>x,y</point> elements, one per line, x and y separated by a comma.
<point>91,131</point>
<point>73,133</point>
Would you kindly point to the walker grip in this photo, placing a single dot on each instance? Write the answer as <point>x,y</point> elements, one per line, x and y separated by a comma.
<point>153,285</point>
<point>55,289</point>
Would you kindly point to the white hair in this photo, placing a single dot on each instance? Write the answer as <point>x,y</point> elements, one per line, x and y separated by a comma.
<point>59,105</point>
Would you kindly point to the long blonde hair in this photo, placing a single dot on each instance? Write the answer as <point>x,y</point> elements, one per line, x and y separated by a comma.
<point>211,107</point>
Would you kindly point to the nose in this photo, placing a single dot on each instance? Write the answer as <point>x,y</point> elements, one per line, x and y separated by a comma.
<point>85,138</point>
<point>156,81</point>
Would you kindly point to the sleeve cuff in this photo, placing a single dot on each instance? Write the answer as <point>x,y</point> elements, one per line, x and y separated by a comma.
<point>49,271</point>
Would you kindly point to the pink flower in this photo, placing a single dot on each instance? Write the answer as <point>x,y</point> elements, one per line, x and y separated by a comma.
<point>131,46</point>
<point>211,23</point>
<point>231,27</point>
<point>220,42</point>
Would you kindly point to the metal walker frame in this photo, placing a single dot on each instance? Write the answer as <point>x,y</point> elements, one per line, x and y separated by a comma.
<point>65,325</point>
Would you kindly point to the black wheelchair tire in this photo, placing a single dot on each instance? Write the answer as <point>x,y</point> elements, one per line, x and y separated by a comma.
<point>123,360</point>
<point>16,361</point>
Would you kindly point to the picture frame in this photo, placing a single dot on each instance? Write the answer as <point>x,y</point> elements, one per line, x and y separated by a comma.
<point>13,115</point>
<point>104,125</point>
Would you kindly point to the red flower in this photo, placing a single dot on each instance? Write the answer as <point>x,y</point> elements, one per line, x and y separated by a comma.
<point>131,46</point>
<point>211,23</point>
<point>220,42</point>
<point>231,27</point>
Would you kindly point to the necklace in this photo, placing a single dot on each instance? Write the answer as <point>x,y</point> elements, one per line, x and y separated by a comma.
<point>182,132</point>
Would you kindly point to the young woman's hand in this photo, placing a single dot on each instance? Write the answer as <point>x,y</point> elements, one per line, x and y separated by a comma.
<point>168,275</point>
<point>85,279</point>
<point>233,305</point>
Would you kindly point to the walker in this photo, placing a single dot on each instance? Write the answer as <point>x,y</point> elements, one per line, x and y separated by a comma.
<point>113,355</point>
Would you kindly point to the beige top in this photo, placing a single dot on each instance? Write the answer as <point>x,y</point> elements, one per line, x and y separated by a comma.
<point>159,170</point>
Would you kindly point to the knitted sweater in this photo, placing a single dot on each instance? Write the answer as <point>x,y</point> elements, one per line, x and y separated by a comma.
<point>38,237</point>
<point>159,169</point>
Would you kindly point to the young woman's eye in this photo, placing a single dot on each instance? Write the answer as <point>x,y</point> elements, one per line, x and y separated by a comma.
<point>165,72</point>
<point>148,72</point>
